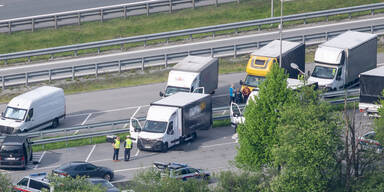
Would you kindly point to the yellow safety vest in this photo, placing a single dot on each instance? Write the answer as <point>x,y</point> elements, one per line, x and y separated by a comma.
<point>128,143</point>
<point>117,144</point>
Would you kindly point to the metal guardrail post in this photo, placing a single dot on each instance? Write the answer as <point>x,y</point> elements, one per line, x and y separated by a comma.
<point>372,12</point>
<point>147,7</point>
<point>170,6</point>
<point>326,36</point>
<point>96,70</point>
<point>142,63</point>
<point>119,63</point>
<point>217,3</point>
<point>33,24</point>
<point>9,27</point>
<point>193,4</point>
<point>29,59</point>
<point>26,79</point>
<point>238,1</point>
<point>79,18</point>
<point>52,57</point>
<point>165,60</point>
<point>303,39</point>
<point>98,50</point>
<point>213,34</point>
<point>55,21</point>
<point>372,29</point>
<point>305,21</point>
<point>101,15</point>
<point>326,18</point>
<point>212,54</point>
<point>125,12</point>
<point>73,73</point>
<point>2,82</point>
<point>49,75</point>
<point>234,51</point>
<point>75,53</point>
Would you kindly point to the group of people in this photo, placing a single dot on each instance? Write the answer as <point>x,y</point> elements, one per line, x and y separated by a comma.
<point>127,148</point>
<point>238,96</point>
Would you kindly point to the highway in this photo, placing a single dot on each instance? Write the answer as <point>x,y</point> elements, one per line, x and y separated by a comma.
<point>10,9</point>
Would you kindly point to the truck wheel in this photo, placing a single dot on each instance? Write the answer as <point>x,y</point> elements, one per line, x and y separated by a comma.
<point>55,123</point>
<point>164,148</point>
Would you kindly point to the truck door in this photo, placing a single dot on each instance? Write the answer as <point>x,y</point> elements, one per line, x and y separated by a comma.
<point>134,127</point>
<point>29,120</point>
<point>173,133</point>
<point>235,113</point>
<point>199,90</point>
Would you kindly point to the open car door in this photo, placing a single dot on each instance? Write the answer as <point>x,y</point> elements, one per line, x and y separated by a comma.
<point>236,114</point>
<point>134,127</point>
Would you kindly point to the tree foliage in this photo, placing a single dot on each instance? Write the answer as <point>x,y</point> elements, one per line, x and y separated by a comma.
<point>79,184</point>
<point>379,122</point>
<point>5,183</point>
<point>257,135</point>
<point>309,140</point>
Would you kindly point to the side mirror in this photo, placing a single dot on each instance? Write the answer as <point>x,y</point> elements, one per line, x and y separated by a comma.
<point>241,82</point>
<point>161,94</point>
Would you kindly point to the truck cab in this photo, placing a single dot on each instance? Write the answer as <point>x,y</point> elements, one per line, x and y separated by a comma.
<point>181,81</point>
<point>257,69</point>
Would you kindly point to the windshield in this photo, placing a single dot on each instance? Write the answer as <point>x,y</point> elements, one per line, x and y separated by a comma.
<point>155,126</point>
<point>15,113</point>
<point>324,72</point>
<point>253,81</point>
<point>11,149</point>
<point>172,90</point>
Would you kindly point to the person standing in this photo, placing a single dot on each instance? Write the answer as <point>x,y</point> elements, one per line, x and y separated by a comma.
<point>231,94</point>
<point>127,148</point>
<point>246,91</point>
<point>116,147</point>
<point>238,96</point>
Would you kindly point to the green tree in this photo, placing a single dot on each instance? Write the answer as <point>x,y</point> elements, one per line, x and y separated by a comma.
<point>309,143</point>
<point>5,183</point>
<point>79,184</point>
<point>257,136</point>
<point>379,122</point>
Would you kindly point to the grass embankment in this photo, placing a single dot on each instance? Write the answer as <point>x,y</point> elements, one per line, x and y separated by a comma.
<point>162,22</point>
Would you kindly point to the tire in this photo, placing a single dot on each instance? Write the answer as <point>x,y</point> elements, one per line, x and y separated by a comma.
<point>55,123</point>
<point>107,177</point>
<point>164,148</point>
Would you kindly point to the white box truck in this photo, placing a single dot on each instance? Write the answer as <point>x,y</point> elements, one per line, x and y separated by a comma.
<point>37,109</point>
<point>173,120</point>
<point>193,74</point>
<point>371,89</point>
<point>339,61</point>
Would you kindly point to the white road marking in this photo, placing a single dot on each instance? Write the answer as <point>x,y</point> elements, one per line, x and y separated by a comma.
<point>4,171</point>
<point>1,5</point>
<point>41,157</point>
<point>86,119</point>
<point>100,160</point>
<point>106,111</point>
<point>130,169</point>
<point>224,112</point>
<point>220,144</point>
<point>90,153</point>
<point>137,153</point>
<point>54,166</point>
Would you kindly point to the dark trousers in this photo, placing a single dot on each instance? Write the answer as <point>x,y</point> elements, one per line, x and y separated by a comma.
<point>115,154</point>
<point>231,99</point>
<point>127,153</point>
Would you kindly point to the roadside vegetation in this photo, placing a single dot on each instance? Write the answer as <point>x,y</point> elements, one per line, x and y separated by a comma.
<point>162,22</point>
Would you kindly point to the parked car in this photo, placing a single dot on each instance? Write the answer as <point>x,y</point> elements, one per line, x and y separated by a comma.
<point>32,183</point>
<point>369,142</point>
<point>104,183</point>
<point>15,152</point>
<point>181,171</point>
<point>81,168</point>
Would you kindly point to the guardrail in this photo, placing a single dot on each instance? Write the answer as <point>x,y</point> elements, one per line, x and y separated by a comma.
<point>187,32</point>
<point>141,62</point>
<point>112,124</point>
<point>102,13</point>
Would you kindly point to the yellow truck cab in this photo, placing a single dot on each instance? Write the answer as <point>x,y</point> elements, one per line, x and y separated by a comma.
<point>261,61</point>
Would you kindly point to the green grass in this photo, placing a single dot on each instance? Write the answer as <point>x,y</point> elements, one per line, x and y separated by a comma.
<point>159,22</point>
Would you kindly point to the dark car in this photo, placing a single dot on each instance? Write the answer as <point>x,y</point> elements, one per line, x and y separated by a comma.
<point>181,171</point>
<point>104,183</point>
<point>15,152</point>
<point>81,168</point>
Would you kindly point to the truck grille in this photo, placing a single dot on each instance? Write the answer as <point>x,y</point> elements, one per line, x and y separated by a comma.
<point>6,130</point>
<point>147,142</point>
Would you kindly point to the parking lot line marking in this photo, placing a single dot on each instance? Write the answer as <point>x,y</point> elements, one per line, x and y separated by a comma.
<point>130,169</point>
<point>207,146</point>
<point>86,119</point>
<point>90,153</point>
<point>41,157</point>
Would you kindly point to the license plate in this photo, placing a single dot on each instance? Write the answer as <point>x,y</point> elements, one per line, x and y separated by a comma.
<point>10,158</point>
<point>147,146</point>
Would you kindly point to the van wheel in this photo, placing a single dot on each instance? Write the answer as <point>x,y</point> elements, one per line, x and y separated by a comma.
<point>55,123</point>
<point>164,148</point>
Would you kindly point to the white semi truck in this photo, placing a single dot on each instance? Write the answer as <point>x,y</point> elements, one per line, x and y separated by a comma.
<point>339,61</point>
<point>371,89</point>
<point>173,120</point>
<point>193,74</point>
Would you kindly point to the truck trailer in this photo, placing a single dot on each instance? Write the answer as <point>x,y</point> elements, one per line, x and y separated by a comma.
<point>261,61</point>
<point>339,61</point>
<point>173,120</point>
<point>193,74</point>
<point>371,89</point>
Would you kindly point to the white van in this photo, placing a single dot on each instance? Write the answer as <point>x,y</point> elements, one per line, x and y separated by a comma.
<point>37,109</point>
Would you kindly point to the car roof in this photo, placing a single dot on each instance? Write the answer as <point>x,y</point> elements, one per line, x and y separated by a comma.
<point>39,177</point>
<point>14,140</point>
<point>160,165</point>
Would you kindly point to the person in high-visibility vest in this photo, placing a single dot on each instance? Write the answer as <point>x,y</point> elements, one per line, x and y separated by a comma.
<point>116,147</point>
<point>127,148</point>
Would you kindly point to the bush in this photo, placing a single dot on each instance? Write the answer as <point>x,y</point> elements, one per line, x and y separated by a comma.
<point>5,183</point>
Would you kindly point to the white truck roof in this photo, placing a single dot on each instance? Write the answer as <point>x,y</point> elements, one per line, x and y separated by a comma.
<point>160,113</point>
<point>180,99</point>
<point>349,40</point>
<point>25,100</point>
<point>193,63</point>
<point>375,72</point>
<point>272,49</point>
